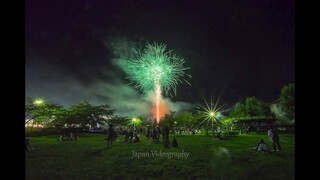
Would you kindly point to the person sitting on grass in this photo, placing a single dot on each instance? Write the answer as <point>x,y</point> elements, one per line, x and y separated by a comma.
<point>222,137</point>
<point>28,147</point>
<point>174,143</point>
<point>76,137</point>
<point>262,146</point>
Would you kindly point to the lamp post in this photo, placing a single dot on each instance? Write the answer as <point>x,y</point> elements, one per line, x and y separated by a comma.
<point>38,102</point>
<point>212,118</point>
<point>134,120</point>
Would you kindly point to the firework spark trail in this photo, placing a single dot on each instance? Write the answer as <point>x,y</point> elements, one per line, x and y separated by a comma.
<point>158,97</point>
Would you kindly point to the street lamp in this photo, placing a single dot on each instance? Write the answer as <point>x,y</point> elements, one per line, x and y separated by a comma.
<point>38,102</point>
<point>135,122</point>
<point>209,112</point>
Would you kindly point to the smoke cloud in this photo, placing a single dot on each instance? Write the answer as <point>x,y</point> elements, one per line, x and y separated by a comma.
<point>60,85</point>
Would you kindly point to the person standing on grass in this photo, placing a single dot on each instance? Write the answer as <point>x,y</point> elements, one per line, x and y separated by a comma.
<point>219,132</point>
<point>274,138</point>
<point>165,135</point>
<point>111,136</point>
<point>175,143</point>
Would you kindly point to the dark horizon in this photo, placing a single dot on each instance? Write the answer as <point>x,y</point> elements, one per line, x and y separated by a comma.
<point>236,49</point>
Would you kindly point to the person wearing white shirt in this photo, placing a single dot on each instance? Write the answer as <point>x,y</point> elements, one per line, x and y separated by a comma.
<point>262,146</point>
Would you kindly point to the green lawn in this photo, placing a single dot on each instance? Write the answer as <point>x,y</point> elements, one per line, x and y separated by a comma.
<point>89,158</point>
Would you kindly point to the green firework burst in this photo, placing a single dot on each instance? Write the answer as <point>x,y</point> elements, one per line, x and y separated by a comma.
<point>155,66</point>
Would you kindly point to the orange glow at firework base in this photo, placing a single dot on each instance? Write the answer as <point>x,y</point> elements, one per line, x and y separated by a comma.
<point>162,111</point>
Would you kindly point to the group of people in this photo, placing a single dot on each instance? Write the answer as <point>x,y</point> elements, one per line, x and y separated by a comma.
<point>274,138</point>
<point>156,134</point>
<point>68,137</point>
<point>133,137</point>
<point>130,137</point>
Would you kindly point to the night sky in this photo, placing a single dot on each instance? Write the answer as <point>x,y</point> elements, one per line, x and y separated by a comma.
<point>235,49</point>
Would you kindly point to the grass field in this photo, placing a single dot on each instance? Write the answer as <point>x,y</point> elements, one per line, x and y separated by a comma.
<point>89,158</point>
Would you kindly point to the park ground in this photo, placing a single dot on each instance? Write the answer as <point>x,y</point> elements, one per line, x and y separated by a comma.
<point>89,158</point>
